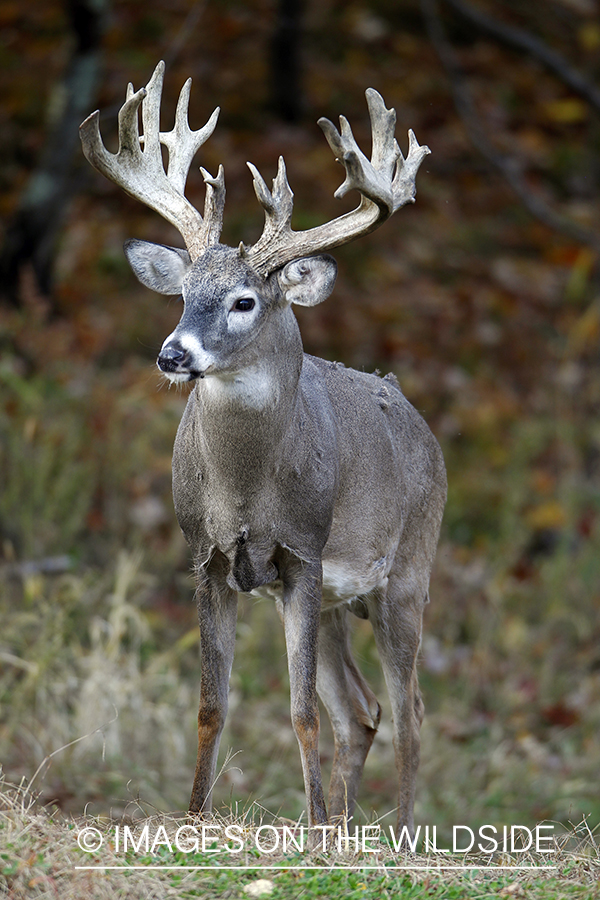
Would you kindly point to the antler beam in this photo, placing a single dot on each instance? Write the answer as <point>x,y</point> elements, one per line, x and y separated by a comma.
<point>140,172</point>
<point>385,183</point>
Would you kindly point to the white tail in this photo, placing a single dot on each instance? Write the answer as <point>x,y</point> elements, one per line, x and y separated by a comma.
<point>292,476</point>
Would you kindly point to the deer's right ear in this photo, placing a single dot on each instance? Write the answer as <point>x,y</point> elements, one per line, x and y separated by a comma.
<point>158,267</point>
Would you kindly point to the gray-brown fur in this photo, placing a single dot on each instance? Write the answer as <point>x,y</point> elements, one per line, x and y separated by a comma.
<point>292,477</point>
<point>331,469</point>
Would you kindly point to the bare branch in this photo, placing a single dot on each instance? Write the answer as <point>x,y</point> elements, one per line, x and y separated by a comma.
<point>509,166</point>
<point>533,46</point>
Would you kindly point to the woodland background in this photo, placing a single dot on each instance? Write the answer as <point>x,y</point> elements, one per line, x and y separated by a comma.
<point>483,298</point>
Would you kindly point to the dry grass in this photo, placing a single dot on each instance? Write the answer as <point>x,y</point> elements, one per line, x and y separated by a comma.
<point>89,667</point>
<point>40,857</point>
<point>100,662</point>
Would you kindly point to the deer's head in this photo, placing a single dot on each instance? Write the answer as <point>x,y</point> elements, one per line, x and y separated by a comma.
<point>232,315</point>
<point>233,295</point>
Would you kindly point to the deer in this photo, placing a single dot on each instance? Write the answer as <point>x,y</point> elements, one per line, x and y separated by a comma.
<point>294,478</point>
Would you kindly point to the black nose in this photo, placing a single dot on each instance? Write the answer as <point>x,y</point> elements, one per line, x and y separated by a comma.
<point>172,356</point>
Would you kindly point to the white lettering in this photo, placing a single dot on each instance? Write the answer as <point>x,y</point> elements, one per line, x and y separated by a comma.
<point>208,837</point>
<point>492,841</point>
<point>325,829</point>
<point>543,837</point>
<point>289,839</point>
<point>161,839</point>
<point>455,829</point>
<point>405,839</point>
<point>268,829</point>
<point>370,833</point>
<point>144,839</point>
<point>343,834</point>
<point>193,844</point>
<point>513,835</point>
<point>235,837</point>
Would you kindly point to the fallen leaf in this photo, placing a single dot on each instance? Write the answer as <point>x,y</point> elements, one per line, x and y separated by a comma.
<point>259,888</point>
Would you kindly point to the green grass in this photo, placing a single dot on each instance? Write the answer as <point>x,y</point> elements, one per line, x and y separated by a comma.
<point>40,853</point>
<point>99,649</point>
<point>105,653</point>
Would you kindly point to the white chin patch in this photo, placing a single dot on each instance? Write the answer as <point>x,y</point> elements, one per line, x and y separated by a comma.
<point>178,377</point>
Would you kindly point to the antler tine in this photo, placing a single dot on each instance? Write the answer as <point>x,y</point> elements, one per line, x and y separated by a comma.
<point>404,185</point>
<point>183,143</point>
<point>385,150</point>
<point>385,183</point>
<point>278,204</point>
<point>151,115</point>
<point>141,172</point>
<point>214,205</point>
<point>361,175</point>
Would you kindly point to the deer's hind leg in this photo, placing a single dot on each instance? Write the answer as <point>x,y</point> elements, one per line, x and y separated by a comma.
<point>352,708</point>
<point>396,617</point>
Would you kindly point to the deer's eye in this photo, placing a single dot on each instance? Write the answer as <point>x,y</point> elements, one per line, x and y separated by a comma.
<point>244,304</point>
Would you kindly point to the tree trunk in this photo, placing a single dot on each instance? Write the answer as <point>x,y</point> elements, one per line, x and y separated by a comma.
<point>286,89</point>
<point>31,235</point>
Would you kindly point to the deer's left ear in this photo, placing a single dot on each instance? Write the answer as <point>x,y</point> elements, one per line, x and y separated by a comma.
<point>308,281</point>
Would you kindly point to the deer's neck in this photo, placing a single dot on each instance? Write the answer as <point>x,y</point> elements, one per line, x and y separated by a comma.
<point>244,415</point>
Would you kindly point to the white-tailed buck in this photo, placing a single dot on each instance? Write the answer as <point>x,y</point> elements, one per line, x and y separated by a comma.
<point>292,476</point>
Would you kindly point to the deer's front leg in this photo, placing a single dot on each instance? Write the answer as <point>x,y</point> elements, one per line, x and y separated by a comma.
<point>301,611</point>
<point>217,616</point>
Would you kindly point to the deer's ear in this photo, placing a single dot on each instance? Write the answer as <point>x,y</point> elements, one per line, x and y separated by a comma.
<point>308,281</point>
<point>158,267</point>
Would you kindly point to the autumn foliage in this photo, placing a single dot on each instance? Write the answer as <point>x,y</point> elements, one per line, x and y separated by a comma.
<point>484,300</point>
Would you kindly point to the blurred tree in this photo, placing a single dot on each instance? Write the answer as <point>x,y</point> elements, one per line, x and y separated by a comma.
<point>509,165</point>
<point>286,68</point>
<point>31,234</point>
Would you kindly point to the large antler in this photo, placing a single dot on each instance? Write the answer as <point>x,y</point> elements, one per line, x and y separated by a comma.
<point>386,183</point>
<point>141,173</point>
